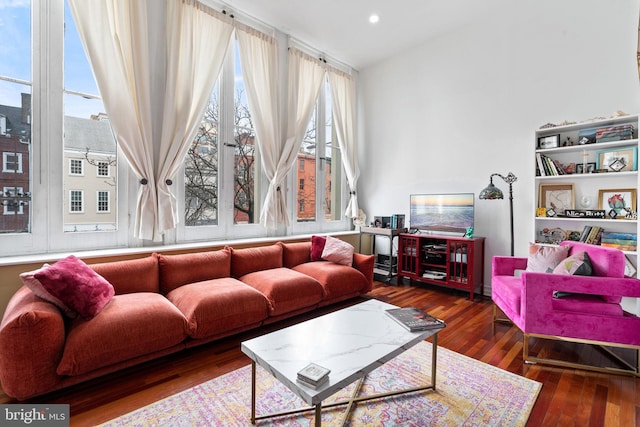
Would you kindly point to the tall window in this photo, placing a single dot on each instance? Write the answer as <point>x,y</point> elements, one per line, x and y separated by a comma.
<point>332,164</point>
<point>201,168</point>
<point>245,179</point>
<point>88,139</point>
<point>226,125</point>
<point>320,165</point>
<point>307,172</point>
<point>15,117</point>
<point>55,132</point>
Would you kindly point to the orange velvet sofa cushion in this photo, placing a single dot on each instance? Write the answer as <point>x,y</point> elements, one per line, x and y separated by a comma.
<point>215,306</point>
<point>249,260</point>
<point>130,325</point>
<point>286,290</point>
<point>179,270</point>
<point>136,275</point>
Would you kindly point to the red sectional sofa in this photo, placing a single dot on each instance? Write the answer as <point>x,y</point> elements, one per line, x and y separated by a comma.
<point>166,303</point>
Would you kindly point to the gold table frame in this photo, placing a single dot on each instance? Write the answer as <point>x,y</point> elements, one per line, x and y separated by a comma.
<point>351,402</point>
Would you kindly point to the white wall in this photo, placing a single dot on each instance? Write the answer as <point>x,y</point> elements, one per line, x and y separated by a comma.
<point>445,115</point>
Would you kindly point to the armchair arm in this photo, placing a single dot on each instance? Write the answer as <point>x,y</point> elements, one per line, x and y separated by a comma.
<point>540,317</point>
<point>507,265</point>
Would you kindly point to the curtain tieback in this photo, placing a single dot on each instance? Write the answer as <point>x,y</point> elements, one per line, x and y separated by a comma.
<point>144,181</point>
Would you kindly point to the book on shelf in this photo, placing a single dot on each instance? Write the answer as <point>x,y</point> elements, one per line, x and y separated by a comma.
<point>313,374</point>
<point>413,319</point>
<point>397,221</point>
<point>585,233</point>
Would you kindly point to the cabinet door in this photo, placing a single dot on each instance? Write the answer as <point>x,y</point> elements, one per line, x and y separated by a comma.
<point>408,255</point>
<point>459,255</point>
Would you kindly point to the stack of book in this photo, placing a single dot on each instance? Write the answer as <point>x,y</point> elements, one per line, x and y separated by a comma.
<point>413,319</point>
<point>622,241</point>
<point>549,167</point>
<point>397,221</point>
<point>614,133</point>
<point>591,234</point>
<point>313,375</point>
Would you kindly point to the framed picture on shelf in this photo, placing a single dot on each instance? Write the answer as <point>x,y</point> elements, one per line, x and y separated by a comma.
<point>590,167</point>
<point>617,202</point>
<point>556,197</point>
<point>618,160</point>
<point>551,141</point>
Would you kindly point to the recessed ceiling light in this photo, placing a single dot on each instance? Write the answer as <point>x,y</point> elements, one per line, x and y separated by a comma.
<point>374,18</point>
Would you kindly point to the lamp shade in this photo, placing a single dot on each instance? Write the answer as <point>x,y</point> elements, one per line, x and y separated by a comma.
<point>491,192</point>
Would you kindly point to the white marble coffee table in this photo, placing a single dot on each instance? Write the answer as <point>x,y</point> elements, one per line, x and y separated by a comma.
<point>351,342</point>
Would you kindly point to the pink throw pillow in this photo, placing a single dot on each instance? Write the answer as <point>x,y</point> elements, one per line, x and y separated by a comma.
<point>335,250</point>
<point>543,259</point>
<point>577,264</point>
<point>317,246</point>
<point>78,287</point>
<point>29,280</point>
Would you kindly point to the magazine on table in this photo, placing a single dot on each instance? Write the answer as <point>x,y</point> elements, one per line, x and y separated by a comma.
<point>413,319</point>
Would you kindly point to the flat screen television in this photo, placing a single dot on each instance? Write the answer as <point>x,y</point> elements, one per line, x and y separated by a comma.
<point>441,213</point>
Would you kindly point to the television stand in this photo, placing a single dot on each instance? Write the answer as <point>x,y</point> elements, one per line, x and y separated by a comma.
<point>450,261</point>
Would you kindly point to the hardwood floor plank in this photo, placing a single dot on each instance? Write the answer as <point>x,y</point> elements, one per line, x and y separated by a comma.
<point>568,397</point>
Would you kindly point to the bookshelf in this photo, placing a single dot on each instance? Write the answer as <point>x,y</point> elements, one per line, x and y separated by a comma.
<point>586,178</point>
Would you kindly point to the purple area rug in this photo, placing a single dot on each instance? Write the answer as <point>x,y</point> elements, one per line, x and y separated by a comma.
<point>468,393</point>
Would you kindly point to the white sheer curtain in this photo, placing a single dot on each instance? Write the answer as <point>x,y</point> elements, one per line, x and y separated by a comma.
<point>305,80</point>
<point>115,36</point>
<point>258,56</point>
<point>343,95</point>
<point>197,42</point>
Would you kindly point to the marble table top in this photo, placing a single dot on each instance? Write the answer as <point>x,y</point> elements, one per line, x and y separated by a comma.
<point>350,342</point>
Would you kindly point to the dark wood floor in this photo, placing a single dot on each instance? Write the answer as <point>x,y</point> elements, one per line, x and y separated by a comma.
<point>568,398</point>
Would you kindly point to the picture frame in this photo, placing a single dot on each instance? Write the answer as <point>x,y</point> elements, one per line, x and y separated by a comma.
<point>549,141</point>
<point>556,197</point>
<point>590,167</point>
<point>618,159</point>
<point>618,202</point>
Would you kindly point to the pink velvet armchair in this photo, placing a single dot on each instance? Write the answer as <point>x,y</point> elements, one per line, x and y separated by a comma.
<point>587,311</point>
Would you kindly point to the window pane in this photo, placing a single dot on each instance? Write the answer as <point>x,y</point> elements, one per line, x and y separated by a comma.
<point>15,118</point>
<point>201,169</point>
<point>245,205</point>
<point>333,165</point>
<point>89,144</point>
<point>307,172</point>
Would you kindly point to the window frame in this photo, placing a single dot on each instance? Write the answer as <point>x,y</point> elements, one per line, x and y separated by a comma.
<point>48,207</point>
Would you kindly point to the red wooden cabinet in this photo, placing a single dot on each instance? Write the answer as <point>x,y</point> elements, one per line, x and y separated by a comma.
<point>455,262</point>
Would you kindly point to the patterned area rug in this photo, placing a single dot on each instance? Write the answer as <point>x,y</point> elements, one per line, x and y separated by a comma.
<point>468,393</point>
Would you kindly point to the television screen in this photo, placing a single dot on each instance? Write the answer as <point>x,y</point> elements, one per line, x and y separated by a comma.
<point>451,213</point>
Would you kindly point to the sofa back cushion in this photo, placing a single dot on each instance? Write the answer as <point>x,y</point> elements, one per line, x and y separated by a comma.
<point>178,270</point>
<point>295,253</point>
<point>136,275</point>
<point>249,260</point>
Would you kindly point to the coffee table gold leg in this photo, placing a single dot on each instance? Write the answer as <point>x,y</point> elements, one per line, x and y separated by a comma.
<point>434,358</point>
<point>253,392</point>
<point>318,415</point>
